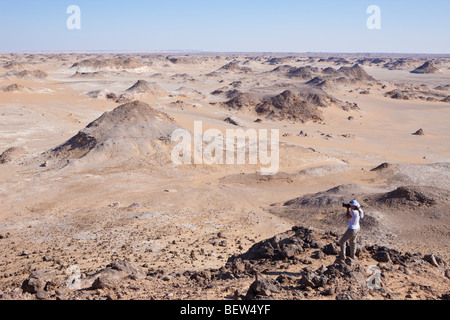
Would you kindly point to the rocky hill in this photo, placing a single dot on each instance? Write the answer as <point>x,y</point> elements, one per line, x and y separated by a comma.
<point>131,130</point>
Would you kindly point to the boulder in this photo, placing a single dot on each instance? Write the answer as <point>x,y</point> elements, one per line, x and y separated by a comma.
<point>313,280</point>
<point>344,296</point>
<point>291,250</point>
<point>38,281</point>
<point>419,132</point>
<point>114,273</point>
<point>262,287</point>
<point>434,260</point>
<point>126,267</point>
<point>331,249</point>
<point>107,279</point>
<point>382,256</point>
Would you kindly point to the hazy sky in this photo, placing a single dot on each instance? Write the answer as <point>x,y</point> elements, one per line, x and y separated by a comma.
<point>226,26</point>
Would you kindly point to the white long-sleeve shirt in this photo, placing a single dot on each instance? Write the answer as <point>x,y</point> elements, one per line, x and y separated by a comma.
<point>353,222</point>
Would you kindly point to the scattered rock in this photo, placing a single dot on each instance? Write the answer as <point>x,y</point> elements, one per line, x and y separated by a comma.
<point>262,288</point>
<point>434,260</point>
<point>126,267</point>
<point>313,280</point>
<point>42,295</point>
<point>115,204</point>
<point>232,121</point>
<point>419,132</point>
<point>11,154</point>
<point>447,273</point>
<point>382,256</point>
<point>331,249</point>
<point>344,296</point>
<point>318,255</point>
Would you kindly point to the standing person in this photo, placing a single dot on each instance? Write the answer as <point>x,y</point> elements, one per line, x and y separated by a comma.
<point>354,215</point>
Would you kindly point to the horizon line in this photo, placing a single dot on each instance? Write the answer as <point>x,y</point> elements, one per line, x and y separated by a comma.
<point>181,51</point>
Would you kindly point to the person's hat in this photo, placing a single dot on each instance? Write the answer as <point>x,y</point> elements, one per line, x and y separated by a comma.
<point>355,203</point>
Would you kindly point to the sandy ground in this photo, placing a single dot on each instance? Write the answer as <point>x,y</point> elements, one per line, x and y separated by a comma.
<point>91,213</point>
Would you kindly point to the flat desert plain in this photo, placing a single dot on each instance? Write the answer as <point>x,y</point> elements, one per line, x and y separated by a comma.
<point>94,207</point>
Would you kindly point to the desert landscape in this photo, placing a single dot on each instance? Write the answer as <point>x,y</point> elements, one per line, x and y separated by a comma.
<point>94,208</point>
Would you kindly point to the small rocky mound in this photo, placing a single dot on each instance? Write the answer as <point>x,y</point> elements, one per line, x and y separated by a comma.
<point>302,107</point>
<point>145,87</point>
<point>302,72</point>
<point>118,63</point>
<point>242,100</point>
<point>443,87</point>
<point>318,98</point>
<point>100,94</point>
<point>49,285</point>
<point>427,67</point>
<point>333,197</point>
<point>336,60</point>
<point>286,245</point>
<point>413,197</point>
<point>384,166</point>
<point>11,154</point>
<point>231,120</point>
<point>15,87</point>
<point>89,75</point>
<point>327,77</point>
<point>319,82</point>
<point>324,209</point>
<point>235,67</point>
<point>139,89</point>
<point>289,106</point>
<point>179,104</point>
<point>185,59</point>
<point>434,174</point>
<point>280,60</point>
<point>410,94</point>
<point>356,72</point>
<point>27,74</point>
<point>281,69</point>
<point>399,64</point>
<point>370,61</point>
<point>400,94</point>
<point>13,64</point>
<point>142,86</point>
<point>35,74</point>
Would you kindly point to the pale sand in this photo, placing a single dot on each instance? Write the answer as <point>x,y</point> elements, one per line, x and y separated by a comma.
<point>65,213</point>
